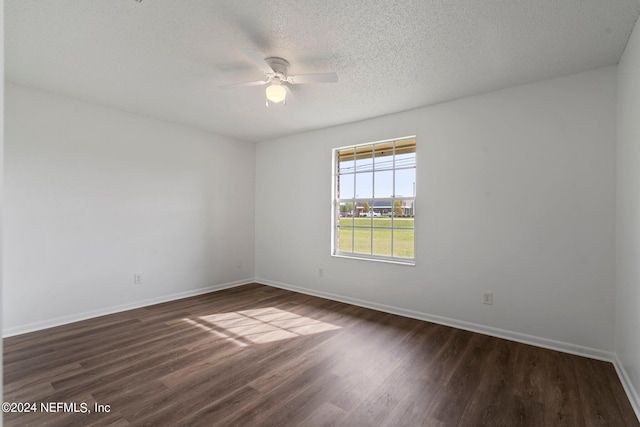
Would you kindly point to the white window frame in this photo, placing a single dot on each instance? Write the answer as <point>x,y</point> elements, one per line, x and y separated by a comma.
<point>335,208</point>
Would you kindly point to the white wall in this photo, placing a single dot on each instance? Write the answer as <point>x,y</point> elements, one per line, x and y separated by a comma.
<point>1,172</point>
<point>94,195</point>
<point>627,331</point>
<point>516,194</point>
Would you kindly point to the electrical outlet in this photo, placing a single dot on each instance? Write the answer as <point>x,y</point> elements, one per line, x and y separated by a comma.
<point>487,297</point>
<point>137,279</point>
<point>321,272</point>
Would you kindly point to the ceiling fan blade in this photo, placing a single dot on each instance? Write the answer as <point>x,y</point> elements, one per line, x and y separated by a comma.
<point>244,84</point>
<point>258,60</point>
<point>313,78</point>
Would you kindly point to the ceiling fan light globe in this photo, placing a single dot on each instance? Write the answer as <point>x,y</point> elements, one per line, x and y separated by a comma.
<point>276,93</point>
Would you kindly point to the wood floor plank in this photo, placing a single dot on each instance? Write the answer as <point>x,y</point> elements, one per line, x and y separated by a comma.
<point>262,356</point>
<point>498,375</point>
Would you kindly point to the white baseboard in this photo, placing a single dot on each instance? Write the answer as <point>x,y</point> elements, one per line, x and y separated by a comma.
<point>58,321</point>
<point>632,393</point>
<point>460,324</point>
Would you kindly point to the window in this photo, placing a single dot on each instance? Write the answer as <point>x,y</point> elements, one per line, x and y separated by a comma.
<point>374,201</point>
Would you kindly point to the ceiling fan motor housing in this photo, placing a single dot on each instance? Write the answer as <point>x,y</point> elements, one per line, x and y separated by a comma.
<point>279,67</point>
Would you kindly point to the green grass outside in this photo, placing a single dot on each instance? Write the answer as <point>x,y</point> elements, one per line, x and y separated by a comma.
<point>403,236</point>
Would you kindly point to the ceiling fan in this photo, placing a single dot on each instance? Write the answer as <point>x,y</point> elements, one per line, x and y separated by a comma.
<point>275,75</point>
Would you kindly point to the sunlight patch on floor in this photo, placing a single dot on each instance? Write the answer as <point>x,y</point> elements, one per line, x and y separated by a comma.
<point>259,326</point>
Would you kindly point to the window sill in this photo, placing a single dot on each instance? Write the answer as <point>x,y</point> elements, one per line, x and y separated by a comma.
<point>409,262</point>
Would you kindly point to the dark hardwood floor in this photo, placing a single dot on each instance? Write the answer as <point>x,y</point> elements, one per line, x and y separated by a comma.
<point>256,355</point>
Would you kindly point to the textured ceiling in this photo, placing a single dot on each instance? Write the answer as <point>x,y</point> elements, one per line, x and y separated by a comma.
<point>166,58</point>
